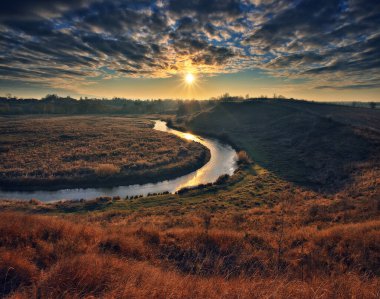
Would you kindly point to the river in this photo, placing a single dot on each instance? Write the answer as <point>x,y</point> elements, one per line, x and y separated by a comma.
<point>223,161</point>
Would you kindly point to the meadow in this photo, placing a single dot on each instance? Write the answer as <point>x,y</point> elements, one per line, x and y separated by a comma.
<point>52,152</point>
<point>265,232</point>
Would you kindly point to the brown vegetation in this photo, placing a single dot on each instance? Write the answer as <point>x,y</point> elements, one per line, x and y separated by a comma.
<point>254,234</point>
<point>53,152</point>
<point>284,251</point>
<point>243,158</point>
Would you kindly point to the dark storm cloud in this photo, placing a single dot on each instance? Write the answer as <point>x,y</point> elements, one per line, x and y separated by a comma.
<point>304,19</point>
<point>214,55</point>
<point>82,35</point>
<point>364,57</point>
<point>121,17</point>
<point>26,9</point>
<point>322,38</point>
<point>75,40</point>
<point>206,7</point>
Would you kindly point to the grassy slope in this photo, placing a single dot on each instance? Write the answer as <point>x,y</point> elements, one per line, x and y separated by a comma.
<point>257,236</point>
<point>263,236</point>
<point>294,140</point>
<point>357,116</point>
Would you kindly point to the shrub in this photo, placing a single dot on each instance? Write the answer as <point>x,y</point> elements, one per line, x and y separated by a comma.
<point>169,122</point>
<point>243,158</point>
<point>222,179</point>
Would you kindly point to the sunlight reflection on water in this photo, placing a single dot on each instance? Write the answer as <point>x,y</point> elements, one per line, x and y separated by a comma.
<point>223,158</point>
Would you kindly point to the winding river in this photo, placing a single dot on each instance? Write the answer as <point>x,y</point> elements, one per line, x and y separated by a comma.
<point>223,161</point>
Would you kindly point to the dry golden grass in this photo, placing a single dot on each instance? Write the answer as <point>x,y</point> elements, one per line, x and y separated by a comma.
<point>49,152</point>
<point>106,169</point>
<point>277,252</point>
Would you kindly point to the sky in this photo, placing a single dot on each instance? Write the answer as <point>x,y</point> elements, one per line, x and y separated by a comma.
<point>325,50</point>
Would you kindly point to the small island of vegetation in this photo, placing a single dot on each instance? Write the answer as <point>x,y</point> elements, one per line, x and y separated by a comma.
<point>90,151</point>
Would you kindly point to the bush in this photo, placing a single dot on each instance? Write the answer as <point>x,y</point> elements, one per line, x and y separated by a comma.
<point>222,179</point>
<point>243,158</point>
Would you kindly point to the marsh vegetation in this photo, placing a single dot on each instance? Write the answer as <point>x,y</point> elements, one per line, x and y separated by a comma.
<point>62,152</point>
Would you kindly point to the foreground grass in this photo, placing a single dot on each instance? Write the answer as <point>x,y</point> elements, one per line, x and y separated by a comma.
<point>120,256</point>
<point>57,152</point>
<point>254,236</point>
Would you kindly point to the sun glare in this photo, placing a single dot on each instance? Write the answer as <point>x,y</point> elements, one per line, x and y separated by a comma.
<point>189,78</point>
<point>188,136</point>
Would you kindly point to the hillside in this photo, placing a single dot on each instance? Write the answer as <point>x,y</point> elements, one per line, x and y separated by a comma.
<point>304,143</point>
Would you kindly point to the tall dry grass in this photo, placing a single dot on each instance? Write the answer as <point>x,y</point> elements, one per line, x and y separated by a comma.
<point>106,169</point>
<point>49,257</point>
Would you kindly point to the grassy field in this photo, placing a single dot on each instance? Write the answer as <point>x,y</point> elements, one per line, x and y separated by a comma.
<point>57,152</point>
<point>258,234</point>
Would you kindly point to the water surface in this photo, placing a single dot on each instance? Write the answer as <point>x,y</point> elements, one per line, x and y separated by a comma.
<point>223,161</point>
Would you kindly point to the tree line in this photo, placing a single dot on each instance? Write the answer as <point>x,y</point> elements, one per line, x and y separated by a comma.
<point>53,104</point>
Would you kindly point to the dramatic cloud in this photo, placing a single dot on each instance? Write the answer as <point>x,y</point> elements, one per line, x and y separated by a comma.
<point>333,43</point>
<point>324,39</point>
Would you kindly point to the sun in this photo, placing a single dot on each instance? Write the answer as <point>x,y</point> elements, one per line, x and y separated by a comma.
<point>189,78</point>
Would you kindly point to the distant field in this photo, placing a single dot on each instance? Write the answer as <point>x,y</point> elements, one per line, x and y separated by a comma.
<point>315,145</point>
<point>54,152</point>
